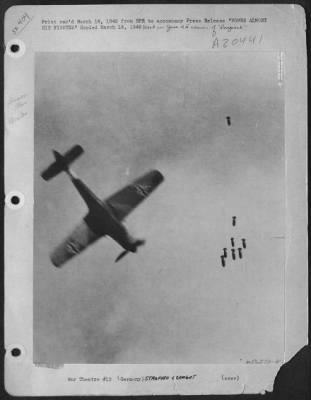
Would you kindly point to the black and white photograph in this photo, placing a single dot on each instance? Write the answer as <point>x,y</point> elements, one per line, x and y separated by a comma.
<point>159,208</point>
<point>155,199</point>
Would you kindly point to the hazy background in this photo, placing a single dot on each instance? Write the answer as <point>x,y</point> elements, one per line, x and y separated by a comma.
<point>172,302</point>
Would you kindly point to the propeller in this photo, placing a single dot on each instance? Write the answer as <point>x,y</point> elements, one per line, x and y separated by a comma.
<point>121,255</point>
<point>138,243</point>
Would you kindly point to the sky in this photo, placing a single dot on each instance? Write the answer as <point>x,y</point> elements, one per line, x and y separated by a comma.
<point>172,302</point>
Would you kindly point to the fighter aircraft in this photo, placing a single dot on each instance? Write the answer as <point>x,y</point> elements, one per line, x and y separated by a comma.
<point>104,218</point>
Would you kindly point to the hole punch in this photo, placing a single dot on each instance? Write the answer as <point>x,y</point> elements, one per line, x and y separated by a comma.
<point>15,200</point>
<point>16,352</point>
<point>14,48</point>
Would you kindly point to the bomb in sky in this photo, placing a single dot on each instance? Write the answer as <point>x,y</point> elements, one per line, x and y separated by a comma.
<point>225,252</point>
<point>233,221</point>
<point>233,254</point>
<point>223,262</point>
<point>232,242</point>
<point>244,243</point>
<point>240,252</point>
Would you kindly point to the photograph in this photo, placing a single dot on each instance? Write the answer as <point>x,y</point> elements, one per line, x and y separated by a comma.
<point>159,207</point>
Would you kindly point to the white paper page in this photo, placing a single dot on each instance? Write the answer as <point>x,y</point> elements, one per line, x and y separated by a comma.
<point>214,98</point>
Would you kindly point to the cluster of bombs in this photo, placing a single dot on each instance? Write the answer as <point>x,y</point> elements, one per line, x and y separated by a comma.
<point>236,248</point>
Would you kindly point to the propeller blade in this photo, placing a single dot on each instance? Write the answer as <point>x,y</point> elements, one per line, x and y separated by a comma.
<point>140,242</point>
<point>120,256</point>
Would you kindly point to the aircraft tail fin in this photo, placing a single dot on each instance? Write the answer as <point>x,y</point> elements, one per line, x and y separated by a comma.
<point>62,162</point>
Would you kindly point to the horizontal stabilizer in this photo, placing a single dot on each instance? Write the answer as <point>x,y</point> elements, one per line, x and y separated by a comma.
<point>61,162</point>
<point>53,170</point>
<point>73,154</point>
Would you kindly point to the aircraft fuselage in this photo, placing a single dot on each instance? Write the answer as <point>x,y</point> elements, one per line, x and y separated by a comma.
<point>102,222</point>
<point>100,218</point>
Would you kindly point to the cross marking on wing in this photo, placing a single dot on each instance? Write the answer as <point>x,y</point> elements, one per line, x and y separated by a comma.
<point>73,247</point>
<point>142,190</point>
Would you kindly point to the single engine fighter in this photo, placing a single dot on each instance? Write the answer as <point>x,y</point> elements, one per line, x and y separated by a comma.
<point>104,217</point>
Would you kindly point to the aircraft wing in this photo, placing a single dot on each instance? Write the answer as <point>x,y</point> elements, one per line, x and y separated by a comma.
<point>125,200</point>
<point>74,244</point>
